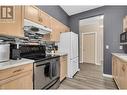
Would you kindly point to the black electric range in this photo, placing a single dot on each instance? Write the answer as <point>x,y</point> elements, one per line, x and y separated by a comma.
<point>46,68</point>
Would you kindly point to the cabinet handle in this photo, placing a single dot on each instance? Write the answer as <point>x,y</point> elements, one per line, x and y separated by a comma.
<point>41,20</point>
<point>17,70</point>
<point>123,68</point>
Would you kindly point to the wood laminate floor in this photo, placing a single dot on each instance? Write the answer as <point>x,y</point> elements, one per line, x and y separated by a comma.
<point>89,77</point>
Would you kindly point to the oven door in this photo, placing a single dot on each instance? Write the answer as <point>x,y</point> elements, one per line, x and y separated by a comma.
<point>55,68</point>
<point>42,74</point>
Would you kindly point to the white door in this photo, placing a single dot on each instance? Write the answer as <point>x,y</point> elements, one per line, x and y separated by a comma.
<point>88,47</point>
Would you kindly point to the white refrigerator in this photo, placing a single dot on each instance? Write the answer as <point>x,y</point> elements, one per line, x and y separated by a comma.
<point>69,44</point>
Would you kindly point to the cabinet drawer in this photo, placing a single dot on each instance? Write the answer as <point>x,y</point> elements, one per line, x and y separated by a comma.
<point>20,81</point>
<point>14,71</point>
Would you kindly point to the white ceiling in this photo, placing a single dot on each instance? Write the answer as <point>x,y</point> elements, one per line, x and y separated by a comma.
<point>92,20</point>
<point>71,10</point>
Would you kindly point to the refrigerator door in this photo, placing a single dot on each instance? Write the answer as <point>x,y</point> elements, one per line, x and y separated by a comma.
<point>73,68</point>
<point>74,46</point>
<point>65,42</point>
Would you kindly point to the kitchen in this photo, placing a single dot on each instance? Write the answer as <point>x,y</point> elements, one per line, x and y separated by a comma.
<point>40,49</point>
<point>29,52</point>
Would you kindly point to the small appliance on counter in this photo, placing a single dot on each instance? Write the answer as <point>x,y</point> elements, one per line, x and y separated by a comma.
<point>4,52</point>
<point>15,51</point>
<point>123,38</point>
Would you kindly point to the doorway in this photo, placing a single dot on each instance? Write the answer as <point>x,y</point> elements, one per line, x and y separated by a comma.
<point>91,40</point>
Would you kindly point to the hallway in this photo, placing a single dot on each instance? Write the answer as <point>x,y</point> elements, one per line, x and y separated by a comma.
<point>89,77</point>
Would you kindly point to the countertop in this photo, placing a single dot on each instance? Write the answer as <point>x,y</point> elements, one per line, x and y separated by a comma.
<point>121,56</point>
<point>14,63</point>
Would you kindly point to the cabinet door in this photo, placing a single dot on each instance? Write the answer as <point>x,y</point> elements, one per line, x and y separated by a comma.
<point>14,28</point>
<point>44,19</point>
<point>63,28</point>
<point>55,34</point>
<point>117,71</point>
<point>123,76</point>
<point>32,13</point>
<point>125,24</point>
<point>66,29</point>
<point>21,81</point>
<point>113,66</point>
<point>63,67</point>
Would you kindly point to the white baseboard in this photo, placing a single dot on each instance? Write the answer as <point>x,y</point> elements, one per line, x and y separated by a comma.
<point>97,63</point>
<point>107,75</point>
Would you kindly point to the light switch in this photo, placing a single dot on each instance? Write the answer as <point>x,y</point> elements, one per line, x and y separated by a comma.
<point>107,46</point>
<point>121,47</point>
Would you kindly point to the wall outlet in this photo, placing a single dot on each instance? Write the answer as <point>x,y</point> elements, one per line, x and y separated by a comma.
<point>121,47</point>
<point>107,46</point>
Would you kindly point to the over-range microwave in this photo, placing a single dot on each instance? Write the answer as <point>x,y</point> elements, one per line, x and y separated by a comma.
<point>123,38</point>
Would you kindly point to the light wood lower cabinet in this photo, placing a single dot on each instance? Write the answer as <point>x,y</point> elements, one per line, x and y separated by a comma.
<point>20,77</point>
<point>119,72</point>
<point>63,67</point>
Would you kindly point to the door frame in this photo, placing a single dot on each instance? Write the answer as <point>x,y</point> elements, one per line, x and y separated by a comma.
<point>89,33</point>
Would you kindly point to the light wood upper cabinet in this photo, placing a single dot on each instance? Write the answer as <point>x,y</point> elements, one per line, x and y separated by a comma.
<point>20,77</point>
<point>57,28</point>
<point>55,34</point>
<point>63,67</point>
<point>125,24</point>
<point>44,19</point>
<point>65,28</point>
<point>36,15</point>
<point>32,13</point>
<point>15,27</point>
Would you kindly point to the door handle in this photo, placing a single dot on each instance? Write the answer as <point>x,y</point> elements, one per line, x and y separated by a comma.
<point>17,70</point>
<point>123,68</point>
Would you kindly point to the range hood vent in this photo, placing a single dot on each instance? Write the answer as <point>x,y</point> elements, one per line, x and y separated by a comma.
<point>32,27</point>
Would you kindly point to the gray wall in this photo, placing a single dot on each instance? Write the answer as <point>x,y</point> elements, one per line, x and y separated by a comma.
<point>56,12</point>
<point>113,19</point>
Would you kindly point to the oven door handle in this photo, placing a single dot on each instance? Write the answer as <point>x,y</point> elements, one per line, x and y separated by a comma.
<point>43,64</point>
<point>50,71</point>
